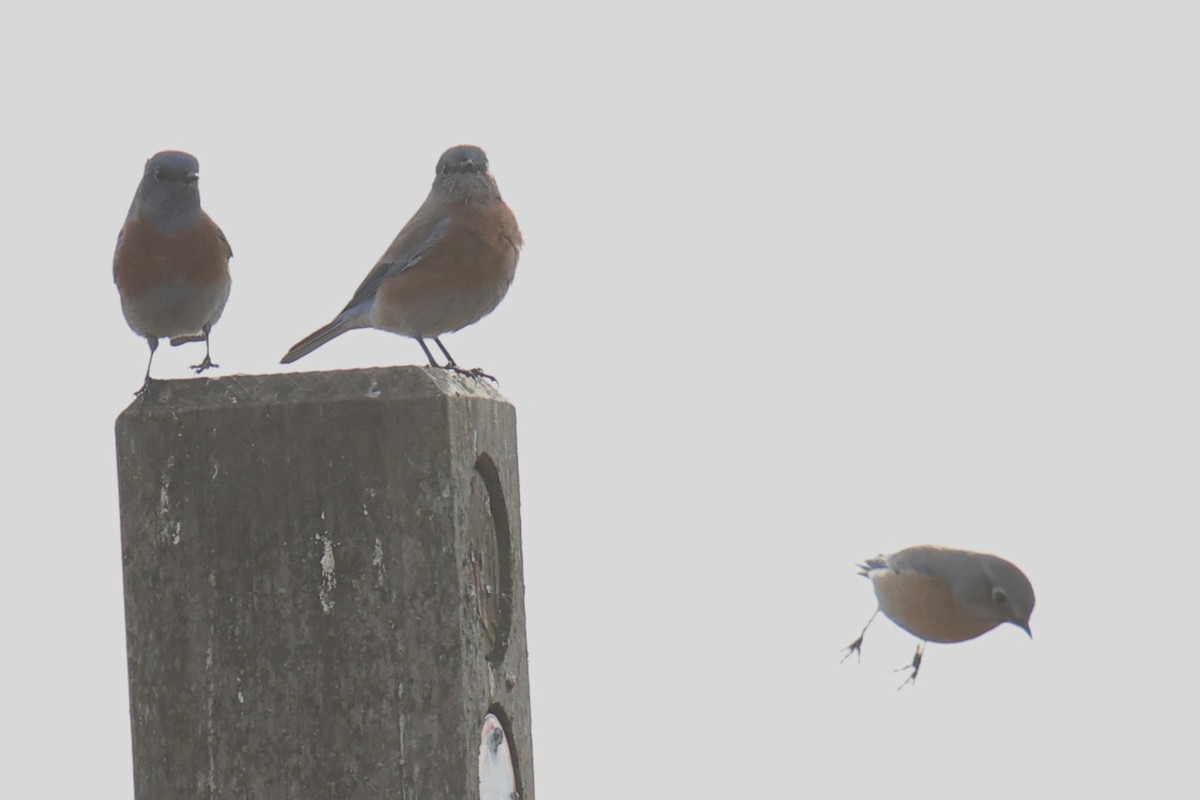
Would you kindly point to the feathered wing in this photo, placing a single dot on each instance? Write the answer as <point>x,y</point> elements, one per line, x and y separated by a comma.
<point>409,247</point>
<point>225,241</point>
<point>925,561</point>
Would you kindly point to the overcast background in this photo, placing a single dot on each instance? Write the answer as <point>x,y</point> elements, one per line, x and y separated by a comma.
<point>802,283</point>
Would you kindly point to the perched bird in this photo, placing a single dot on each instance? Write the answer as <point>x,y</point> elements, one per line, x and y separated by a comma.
<point>171,265</point>
<point>943,595</point>
<point>450,266</point>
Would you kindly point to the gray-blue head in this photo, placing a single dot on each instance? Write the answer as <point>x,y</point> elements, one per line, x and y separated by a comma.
<point>463,177</point>
<point>463,158</point>
<point>169,194</point>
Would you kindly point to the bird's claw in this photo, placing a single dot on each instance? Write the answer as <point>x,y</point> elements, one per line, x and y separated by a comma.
<point>207,363</point>
<point>855,648</point>
<point>915,666</point>
<point>476,373</point>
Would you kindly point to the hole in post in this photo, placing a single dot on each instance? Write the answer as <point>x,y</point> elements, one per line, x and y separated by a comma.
<point>491,556</point>
<point>497,761</point>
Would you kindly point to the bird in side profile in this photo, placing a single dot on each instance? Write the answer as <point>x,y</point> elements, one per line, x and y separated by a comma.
<point>943,595</point>
<point>171,265</point>
<point>450,266</point>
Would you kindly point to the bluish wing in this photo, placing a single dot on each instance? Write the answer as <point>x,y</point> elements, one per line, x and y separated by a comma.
<point>228,246</point>
<point>928,562</point>
<point>410,256</point>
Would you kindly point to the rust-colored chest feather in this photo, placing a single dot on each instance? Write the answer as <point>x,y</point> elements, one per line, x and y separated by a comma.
<point>925,607</point>
<point>459,280</point>
<point>147,258</point>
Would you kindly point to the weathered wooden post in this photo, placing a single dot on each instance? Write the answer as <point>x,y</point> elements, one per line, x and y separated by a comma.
<point>323,588</point>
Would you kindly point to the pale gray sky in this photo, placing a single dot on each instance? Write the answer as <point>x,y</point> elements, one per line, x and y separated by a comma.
<point>802,283</point>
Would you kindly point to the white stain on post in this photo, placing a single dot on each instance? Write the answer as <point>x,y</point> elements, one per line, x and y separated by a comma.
<point>168,530</point>
<point>377,562</point>
<point>328,579</point>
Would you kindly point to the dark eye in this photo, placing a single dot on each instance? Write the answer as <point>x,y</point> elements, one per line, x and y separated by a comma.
<point>159,174</point>
<point>999,597</point>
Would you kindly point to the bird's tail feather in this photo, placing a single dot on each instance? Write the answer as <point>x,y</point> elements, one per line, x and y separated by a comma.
<point>316,339</point>
<point>879,562</point>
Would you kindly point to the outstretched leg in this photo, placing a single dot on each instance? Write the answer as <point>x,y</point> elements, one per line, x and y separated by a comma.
<point>207,363</point>
<point>856,645</point>
<point>915,666</point>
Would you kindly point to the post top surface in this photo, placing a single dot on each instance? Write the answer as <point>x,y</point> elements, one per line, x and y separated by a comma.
<point>388,383</point>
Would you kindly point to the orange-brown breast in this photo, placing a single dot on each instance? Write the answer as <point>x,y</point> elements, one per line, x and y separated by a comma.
<point>461,279</point>
<point>925,607</point>
<point>147,258</point>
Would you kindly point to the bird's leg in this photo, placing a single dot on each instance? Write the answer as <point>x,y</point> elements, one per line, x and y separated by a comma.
<point>207,363</point>
<point>429,355</point>
<point>856,645</point>
<point>153,342</point>
<point>450,365</point>
<point>915,666</point>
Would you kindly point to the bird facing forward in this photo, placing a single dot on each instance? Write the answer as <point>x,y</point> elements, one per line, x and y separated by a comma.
<point>171,264</point>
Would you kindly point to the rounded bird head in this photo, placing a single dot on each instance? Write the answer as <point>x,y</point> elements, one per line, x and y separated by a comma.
<point>462,158</point>
<point>1006,593</point>
<point>168,194</point>
<point>463,177</point>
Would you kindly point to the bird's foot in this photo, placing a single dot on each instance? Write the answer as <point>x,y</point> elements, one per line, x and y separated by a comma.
<point>915,666</point>
<point>194,337</point>
<point>207,363</point>
<point>476,373</point>
<point>145,388</point>
<point>855,648</point>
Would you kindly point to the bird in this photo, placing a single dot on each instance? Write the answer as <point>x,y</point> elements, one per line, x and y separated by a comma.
<point>939,594</point>
<point>449,266</point>
<point>171,264</point>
